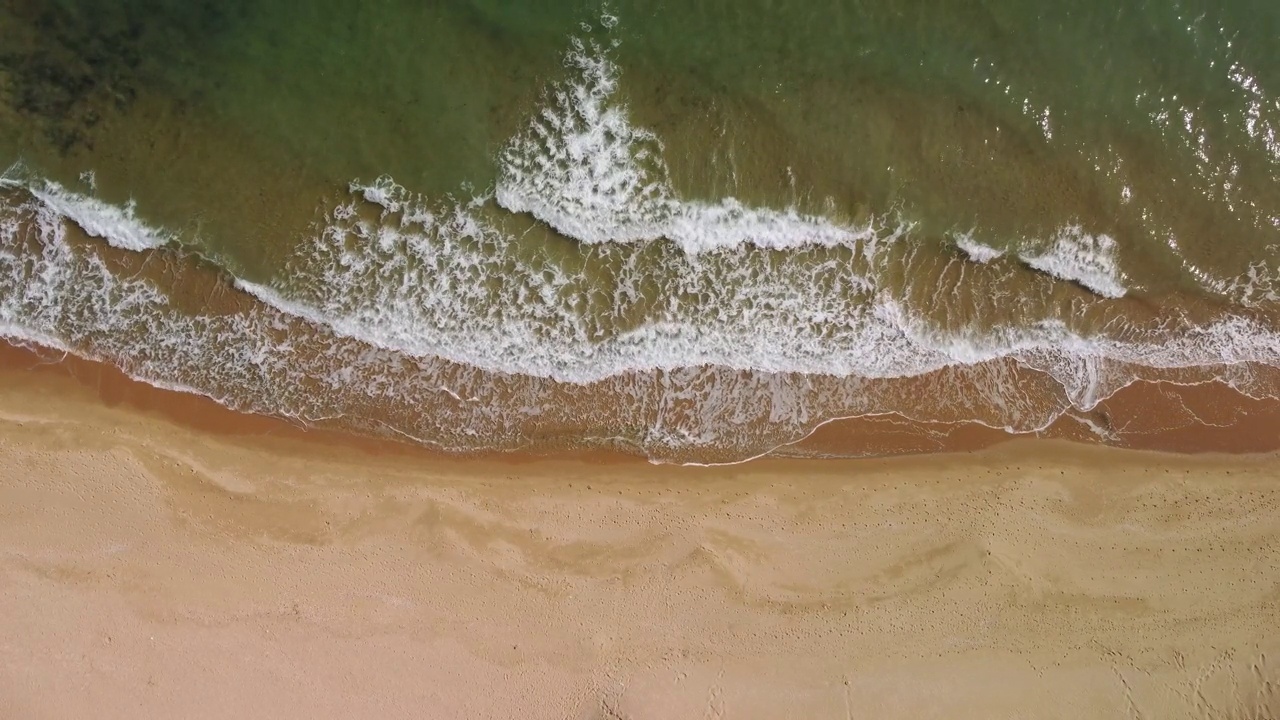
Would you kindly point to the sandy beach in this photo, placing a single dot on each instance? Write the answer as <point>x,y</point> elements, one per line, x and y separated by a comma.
<point>200,568</point>
<point>639,360</point>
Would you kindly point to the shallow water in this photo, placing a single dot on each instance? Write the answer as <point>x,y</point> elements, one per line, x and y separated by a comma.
<point>699,231</point>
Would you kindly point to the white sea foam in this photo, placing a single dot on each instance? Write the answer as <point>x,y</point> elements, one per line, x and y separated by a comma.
<point>431,290</point>
<point>119,226</point>
<point>450,284</point>
<point>258,359</point>
<point>1080,257</point>
<point>1259,284</point>
<point>976,251</point>
<point>582,167</point>
<point>324,350</point>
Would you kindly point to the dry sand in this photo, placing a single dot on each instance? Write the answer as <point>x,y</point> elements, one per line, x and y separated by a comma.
<point>154,569</point>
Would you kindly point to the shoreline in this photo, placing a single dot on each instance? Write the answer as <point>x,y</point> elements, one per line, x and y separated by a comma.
<point>292,366</point>
<point>1214,419</point>
<point>185,572</point>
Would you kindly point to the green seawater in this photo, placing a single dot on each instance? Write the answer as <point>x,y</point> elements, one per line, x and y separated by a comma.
<point>232,119</point>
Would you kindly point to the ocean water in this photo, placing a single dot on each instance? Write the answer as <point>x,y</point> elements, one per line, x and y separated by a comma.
<point>696,231</point>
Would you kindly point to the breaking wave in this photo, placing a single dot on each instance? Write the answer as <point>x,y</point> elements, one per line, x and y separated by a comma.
<point>583,168</point>
<point>430,324</point>
<point>1080,257</point>
<point>585,300</point>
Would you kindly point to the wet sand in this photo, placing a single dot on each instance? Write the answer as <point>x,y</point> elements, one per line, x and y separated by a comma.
<point>176,560</point>
<point>1160,416</point>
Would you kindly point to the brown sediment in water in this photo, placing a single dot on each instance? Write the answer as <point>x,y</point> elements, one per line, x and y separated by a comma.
<point>198,412</point>
<point>1147,415</point>
<point>1202,418</point>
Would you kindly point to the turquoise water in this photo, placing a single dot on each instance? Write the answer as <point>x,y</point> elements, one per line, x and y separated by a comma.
<point>733,221</point>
